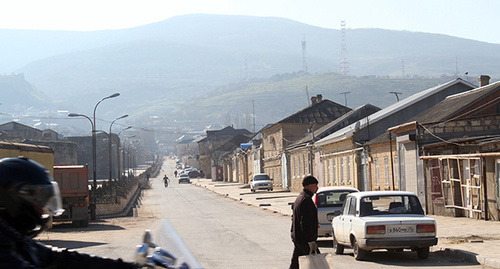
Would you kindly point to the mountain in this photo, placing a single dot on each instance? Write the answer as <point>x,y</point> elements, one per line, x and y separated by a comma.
<point>195,69</point>
<point>18,95</point>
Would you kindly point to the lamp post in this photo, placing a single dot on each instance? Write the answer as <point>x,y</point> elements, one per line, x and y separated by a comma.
<point>94,158</point>
<point>109,155</point>
<point>118,150</point>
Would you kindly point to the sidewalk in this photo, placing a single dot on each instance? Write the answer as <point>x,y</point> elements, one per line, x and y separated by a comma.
<point>464,238</point>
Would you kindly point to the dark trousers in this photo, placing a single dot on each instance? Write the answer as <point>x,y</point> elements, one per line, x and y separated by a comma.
<point>299,249</point>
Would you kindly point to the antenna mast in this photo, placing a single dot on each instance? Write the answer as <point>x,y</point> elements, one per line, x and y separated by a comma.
<point>344,64</point>
<point>308,100</point>
<point>345,97</point>
<point>397,94</point>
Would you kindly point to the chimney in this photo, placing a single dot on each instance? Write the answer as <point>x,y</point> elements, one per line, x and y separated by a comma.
<point>483,80</point>
<point>314,100</point>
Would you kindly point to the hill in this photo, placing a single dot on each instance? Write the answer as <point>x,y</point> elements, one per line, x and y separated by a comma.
<point>205,68</point>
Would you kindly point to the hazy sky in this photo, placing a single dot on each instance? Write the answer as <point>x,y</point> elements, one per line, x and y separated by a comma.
<point>473,19</point>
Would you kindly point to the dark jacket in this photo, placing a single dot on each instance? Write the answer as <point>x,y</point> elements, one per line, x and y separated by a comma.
<point>18,251</point>
<point>304,219</point>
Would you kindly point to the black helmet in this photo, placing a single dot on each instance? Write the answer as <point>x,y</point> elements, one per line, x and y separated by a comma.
<point>27,195</point>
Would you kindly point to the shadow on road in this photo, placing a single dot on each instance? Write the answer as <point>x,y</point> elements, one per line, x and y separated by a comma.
<point>98,225</point>
<point>70,244</point>
<point>405,258</point>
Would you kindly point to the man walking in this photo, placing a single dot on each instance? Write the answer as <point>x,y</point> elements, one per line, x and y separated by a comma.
<point>304,229</point>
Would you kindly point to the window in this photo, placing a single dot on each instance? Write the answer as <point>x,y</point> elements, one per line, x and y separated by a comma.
<point>352,207</point>
<point>299,168</point>
<point>304,165</point>
<point>334,171</point>
<point>328,170</point>
<point>341,160</point>
<point>375,174</point>
<point>348,164</point>
<point>386,171</point>
<point>308,163</point>
<point>396,172</point>
<point>498,180</point>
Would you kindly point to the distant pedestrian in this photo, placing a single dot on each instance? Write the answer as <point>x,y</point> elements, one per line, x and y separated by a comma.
<point>166,180</point>
<point>304,231</point>
<point>175,173</point>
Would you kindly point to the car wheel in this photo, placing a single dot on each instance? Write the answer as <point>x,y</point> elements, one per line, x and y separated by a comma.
<point>359,253</point>
<point>337,248</point>
<point>252,190</point>
<point>423,253</point>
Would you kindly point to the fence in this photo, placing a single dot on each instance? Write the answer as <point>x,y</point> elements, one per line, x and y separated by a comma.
<point>122,187</point>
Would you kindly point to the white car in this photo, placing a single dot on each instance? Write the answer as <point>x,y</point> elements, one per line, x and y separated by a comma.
<point>184,178</point>
<point>329,201</point>
<point>261,182</point>
<point>392,220</point>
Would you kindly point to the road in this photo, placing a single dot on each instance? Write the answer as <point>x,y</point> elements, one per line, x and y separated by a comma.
<point>220,232</point>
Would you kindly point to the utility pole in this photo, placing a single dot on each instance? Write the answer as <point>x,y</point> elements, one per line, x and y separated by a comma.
<point>308,100</point>
<point>345,97</point>
<point>253,115</point>
<point>396,93</point>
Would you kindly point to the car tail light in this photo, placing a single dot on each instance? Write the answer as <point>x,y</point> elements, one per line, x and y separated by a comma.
<point>380,229</point>
<point>314,200</point>
<point>78,204</point>
<point>426,228</point>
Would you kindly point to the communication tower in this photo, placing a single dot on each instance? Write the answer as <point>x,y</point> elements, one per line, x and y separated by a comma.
<point>304,52</point>
<point>344,64</point>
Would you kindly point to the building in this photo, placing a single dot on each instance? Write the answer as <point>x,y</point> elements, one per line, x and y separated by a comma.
<point>348,154</point>
<point>279,136</point>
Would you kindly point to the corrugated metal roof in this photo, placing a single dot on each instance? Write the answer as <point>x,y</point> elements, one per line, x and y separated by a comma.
<point>394,108</point>
<point>453,104</point>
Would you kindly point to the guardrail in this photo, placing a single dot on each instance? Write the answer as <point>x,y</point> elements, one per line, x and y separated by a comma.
<point>123,186</point>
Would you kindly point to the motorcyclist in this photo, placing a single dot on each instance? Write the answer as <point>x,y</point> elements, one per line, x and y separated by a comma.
<point>27,197</point>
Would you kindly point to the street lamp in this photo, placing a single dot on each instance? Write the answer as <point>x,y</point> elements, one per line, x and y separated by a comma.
<point>94,159</point>
<point>118,150</point>
<point>109,154</point>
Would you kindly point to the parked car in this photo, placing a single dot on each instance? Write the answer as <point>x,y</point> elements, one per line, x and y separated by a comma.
<point>392,220</point>
<point>184,178</point>
<point>261,182</point>
<point>194,173</point>
<point>329,201</point>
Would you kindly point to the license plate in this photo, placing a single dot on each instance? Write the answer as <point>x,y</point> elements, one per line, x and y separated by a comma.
<point>401,229</point>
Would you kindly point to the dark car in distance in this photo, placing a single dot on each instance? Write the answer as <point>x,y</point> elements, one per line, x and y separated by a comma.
<point>194,173</point>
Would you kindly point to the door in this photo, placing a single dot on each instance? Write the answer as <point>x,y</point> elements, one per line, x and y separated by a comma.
<point>347,218</point>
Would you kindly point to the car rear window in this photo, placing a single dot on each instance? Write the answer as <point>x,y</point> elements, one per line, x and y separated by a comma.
<point>261,177</point>
<point>331,198</point>
<point>394,204</point>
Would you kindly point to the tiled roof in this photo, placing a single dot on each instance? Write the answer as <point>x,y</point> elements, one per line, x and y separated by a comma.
<point>346,119</point>
<point>324,111</point>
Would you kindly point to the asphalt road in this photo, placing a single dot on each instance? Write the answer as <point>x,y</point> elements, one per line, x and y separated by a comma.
<point>220,232</point>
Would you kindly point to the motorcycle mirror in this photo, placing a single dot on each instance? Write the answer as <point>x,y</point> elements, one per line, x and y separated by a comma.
<point>147,237</point>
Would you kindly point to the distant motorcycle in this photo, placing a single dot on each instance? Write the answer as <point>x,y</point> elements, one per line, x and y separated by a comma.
<point>178,258</point>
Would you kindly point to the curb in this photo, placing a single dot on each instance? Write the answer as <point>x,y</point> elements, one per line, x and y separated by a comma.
<point>468,256</point>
